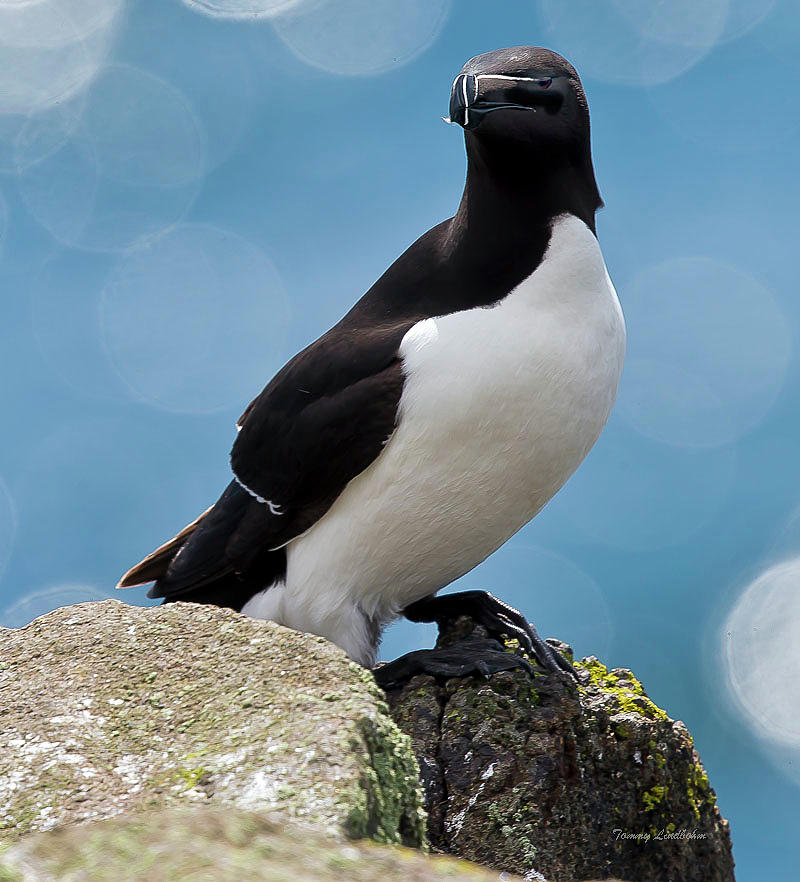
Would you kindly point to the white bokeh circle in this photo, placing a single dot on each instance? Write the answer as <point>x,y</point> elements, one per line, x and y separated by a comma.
<point>241,10</point>
<point>196,321</point>
<point>787,541</point>
<point>32,137</point>
<point>119,172</point>
<point>760,642</point>
<point>679,22</point>
<point>361,37</point>
<point>143,130</point>
<point>37,603</point>
<point>219,76</point>
<point>51,49</point>
<point>38,23</point>
<point>632,42</point>
<point>708,349</point>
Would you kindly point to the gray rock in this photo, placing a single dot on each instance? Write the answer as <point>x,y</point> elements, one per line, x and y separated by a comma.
<point>547,779</point>
<point>206,842</point>
<point>127,733</point>
<point>108,708</point>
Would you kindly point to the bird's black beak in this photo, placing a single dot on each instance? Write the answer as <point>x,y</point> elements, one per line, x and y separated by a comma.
<point>475,95</point>
<point>463,95</point>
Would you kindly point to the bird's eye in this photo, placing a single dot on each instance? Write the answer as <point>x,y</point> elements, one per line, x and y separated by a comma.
<point>545,83</point>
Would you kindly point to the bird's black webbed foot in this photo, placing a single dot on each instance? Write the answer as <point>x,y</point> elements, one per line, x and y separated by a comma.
<point>472,654</point>
<point>497,617</point>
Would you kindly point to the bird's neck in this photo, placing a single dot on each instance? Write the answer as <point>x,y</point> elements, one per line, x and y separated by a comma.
<point>509,193</point>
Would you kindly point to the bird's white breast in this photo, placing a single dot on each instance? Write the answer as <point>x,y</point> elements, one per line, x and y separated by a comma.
<point>500,406</point>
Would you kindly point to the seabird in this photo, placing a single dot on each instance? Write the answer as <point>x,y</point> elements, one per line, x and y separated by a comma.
<point>422,431</point>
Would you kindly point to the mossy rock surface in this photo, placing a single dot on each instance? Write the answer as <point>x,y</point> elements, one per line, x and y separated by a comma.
<point>552,780</point>
<point>205,842</point>
<point>109,708</point>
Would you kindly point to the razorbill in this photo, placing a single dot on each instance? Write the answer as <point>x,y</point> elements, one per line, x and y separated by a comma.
<point>417,435</point>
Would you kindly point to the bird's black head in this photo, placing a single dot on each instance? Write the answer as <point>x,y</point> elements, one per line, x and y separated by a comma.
<point>525,94</point>
<point>523,109</point>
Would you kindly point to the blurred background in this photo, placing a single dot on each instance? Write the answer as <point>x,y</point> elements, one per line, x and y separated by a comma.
<point>192,191</point>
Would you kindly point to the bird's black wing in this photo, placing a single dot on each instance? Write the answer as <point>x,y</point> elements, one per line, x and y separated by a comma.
<point>320,422</point>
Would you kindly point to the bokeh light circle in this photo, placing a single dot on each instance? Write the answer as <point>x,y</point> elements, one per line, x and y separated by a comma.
<point>639,495</point>
<point>761,653</point>
<point>219,77</point>
<point>196,321</point>
<point>38,23</point>
<point>357,37</point>
<point>152,139</point>
<point>679,22</point>
<point>707,353</point>
<point>744,15</point>
<point>51,49</point>
<point>240,9</point>
<point>64,297</point>
<point>29,138</point>
<point>630,42</point>
<point>716,118</point>
<point>552,591</point>
<point>123,170</point>
<point>35,604</point>
<point>787,541</point>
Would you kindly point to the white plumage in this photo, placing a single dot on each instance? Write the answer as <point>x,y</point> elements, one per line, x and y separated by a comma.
<point>499,408</point>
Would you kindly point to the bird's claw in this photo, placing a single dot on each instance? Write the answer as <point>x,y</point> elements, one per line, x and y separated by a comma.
<point>473,654</point>
<point>497,617</point>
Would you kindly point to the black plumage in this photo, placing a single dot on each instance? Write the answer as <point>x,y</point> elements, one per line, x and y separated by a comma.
<point>326,416</point>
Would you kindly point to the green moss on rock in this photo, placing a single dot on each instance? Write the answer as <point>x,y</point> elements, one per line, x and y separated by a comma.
<point>219,843</point>
<point>655,795</point>
<point>538,776</point>
<point>115,708</point>
<point>390,809</point>
<point>627,692</point>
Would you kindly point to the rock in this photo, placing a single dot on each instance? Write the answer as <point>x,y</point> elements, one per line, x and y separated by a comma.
<point>556,781</point>
<point>108,708</point>
<point>219,843</point>
<point>136,731</point>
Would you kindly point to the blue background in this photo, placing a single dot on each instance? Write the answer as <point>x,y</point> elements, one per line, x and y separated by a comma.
<point>185,201</point>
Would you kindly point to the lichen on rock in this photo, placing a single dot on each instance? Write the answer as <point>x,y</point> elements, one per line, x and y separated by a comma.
<point>110,708</point>
<point>225,844</point>
<point>555,780</point>
<point>111,711</point>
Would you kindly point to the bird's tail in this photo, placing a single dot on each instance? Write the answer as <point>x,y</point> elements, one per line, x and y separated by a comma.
<point>154,566</point>
<point>224,557</point>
